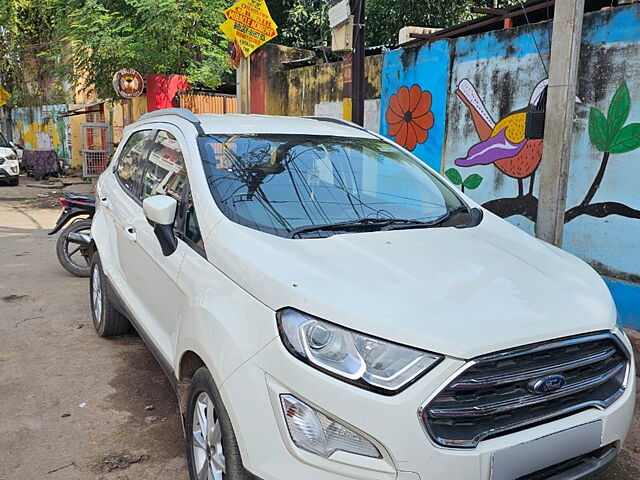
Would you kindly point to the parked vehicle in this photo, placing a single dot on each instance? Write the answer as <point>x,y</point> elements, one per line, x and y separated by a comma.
<point>328,307</point>
<point>9,163</point>
<point>72,247</point>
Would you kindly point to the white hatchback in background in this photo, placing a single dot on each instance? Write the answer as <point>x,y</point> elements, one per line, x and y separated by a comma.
<point>328,307</point>
<point>9,163</point>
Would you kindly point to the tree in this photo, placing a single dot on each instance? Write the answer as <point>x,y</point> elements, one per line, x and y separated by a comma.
<point>385,18</point>
<point>28,52</point>
<point>305,23</point>
<point>151,36</point>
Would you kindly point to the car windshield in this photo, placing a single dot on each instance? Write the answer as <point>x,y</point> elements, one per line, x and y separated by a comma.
<point>321,185</point>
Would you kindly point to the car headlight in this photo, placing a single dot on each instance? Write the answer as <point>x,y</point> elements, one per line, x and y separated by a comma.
<point>359,359</point>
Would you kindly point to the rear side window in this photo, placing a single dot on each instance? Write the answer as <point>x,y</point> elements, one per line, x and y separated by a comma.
<point>164,173</point>
<point>131,161</point>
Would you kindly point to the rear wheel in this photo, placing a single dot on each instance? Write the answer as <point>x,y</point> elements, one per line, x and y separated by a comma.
<point>213,452</point>
<point>74,257</point>
<point>107,320</point>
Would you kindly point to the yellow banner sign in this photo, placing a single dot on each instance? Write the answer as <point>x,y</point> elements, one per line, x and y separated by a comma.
<point>4,96</point>
<point>249,24</point>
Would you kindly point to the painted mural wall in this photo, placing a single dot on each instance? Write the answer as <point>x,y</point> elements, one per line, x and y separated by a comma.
<point>483,90</point>
<point>42,128</point>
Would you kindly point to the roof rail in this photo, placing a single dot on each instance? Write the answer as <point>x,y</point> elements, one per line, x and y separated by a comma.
<point>340,121</point>
<point>184,113</point>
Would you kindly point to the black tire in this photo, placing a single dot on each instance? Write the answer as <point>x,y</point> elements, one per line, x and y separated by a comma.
<point>15,181</point>
<point>107,320</point>
<point>73,257</point>
<point>202,382</point>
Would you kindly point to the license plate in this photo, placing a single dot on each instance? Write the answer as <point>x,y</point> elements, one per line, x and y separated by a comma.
<point>514,462</point>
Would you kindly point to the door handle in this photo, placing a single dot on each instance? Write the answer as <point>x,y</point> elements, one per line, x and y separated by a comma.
<point>131,234</point>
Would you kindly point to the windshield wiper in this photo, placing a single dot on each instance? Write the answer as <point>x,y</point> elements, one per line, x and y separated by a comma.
<point>361,223</point>
<point>470,218</point>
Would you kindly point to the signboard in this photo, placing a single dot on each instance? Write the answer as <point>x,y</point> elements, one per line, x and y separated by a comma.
<point>249,24</point>
<point>4,96</point>
<point>339,13</point>
<point>128,83</point>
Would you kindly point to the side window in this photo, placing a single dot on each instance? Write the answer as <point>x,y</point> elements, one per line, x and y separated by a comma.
<point>192,229</point>
<point>191,226</point>
<point>130,163</point>
<point>164,173</point>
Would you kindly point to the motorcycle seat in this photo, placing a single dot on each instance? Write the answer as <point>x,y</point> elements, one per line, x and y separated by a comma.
<point>79,198</point>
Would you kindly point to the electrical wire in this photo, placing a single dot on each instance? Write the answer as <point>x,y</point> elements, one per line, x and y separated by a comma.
<point>535,42</point>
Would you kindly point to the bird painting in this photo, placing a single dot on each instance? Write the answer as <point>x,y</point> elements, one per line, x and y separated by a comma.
<point>503,144</point>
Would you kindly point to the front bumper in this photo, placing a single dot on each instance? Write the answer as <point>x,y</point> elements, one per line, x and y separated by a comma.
<point>391,423</point>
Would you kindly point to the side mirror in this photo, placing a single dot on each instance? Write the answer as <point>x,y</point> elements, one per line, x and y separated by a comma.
<point>160,211</point>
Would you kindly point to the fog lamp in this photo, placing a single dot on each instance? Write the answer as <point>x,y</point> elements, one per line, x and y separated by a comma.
<point>315,432</point>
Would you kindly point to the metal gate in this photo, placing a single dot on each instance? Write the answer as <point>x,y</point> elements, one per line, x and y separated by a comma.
<point>96,147</point>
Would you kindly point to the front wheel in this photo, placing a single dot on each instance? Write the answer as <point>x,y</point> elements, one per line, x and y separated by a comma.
<point>74,257</point>
<point>107,320</point>
<point>213,452</point>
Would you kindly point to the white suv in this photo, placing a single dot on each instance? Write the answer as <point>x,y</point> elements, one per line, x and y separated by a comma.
<point>9,163</point>
<point>328,307</point>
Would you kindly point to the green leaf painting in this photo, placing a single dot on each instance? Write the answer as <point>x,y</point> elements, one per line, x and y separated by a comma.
<point>454,176</point>
<point>609,134</point>
<point>618,110</point>
<point>598,129</point>
<point>627,139</point>
<point>473,181</point>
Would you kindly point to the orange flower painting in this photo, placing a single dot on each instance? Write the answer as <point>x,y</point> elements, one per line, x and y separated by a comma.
<point>409,116</point>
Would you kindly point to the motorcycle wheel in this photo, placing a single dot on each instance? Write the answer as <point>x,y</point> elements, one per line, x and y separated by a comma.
<point>73,257</point>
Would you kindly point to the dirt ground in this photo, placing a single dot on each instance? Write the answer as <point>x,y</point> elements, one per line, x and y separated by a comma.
<point>73,405</point>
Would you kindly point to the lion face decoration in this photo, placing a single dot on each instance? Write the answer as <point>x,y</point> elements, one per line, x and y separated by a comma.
<point>128,83</point>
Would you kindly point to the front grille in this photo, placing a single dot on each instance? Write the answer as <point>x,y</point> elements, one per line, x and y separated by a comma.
<point>494,394</point>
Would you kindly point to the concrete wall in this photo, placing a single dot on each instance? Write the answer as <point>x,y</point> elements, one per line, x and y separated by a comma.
<point>479,89</point>
<point>42,128</point>
<point>276,90</point>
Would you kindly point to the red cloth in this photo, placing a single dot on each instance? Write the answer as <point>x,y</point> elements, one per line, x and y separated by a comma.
<point>162,88</point>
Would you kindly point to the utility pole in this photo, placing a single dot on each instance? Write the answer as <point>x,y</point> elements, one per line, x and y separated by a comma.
<point>558,136</point>
<point>243,81</point>
<point>357,63</point>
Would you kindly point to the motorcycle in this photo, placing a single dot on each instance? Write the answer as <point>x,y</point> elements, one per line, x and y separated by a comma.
<point>72,247</point>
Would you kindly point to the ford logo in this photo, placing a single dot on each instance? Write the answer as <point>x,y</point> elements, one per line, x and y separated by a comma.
<point>548,384</point>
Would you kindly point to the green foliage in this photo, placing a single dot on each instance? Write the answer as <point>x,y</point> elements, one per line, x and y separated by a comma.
<point>454,176</point>
<point>305,23</point>
<point>608,134</point>
<point>472,182</point>
<point>301,23</point>
<point>29,69</point>
<point>385,18</point>
<point>151,36</point>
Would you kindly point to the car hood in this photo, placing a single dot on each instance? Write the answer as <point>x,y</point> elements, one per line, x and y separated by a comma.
<point>459,292</point>
<point>5,151</point>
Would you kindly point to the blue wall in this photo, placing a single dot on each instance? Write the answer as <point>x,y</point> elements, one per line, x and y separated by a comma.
<point>481,86</point>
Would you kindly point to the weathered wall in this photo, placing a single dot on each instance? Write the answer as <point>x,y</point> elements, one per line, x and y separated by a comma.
<point>414,93</point>
<point>480,89</point>
<point>299,91</point>
<point>42,128</point>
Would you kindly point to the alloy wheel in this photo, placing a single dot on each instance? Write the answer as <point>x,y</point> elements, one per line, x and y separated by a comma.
<point>96,296</point>
<point>207,451</point>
